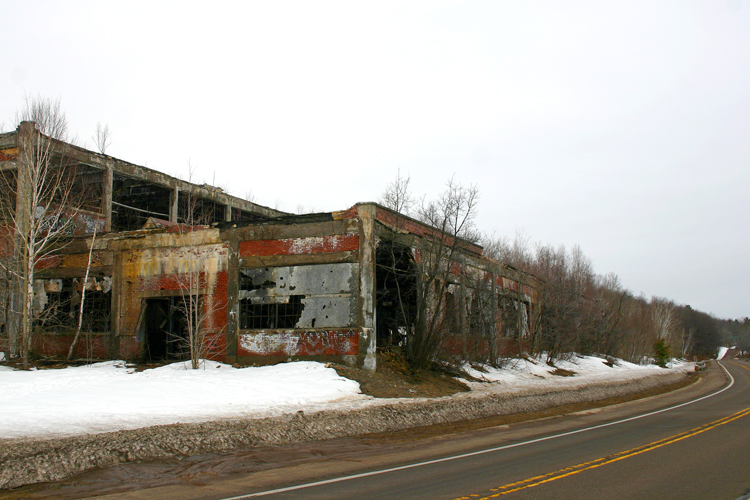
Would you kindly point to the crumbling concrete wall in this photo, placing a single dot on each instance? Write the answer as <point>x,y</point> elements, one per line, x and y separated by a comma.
<point>324,291</point>
<point>295,343</point>
<point>300,287</point>
<point>63,273</point>
<point>298,290</point>
<point>169,265</point>
<point>468,318</point>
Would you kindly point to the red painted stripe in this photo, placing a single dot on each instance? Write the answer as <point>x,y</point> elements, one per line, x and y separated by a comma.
<point>298,246</point>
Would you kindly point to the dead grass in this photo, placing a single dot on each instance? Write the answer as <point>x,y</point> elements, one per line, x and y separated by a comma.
<point>394,379</point>
<point>562,373</point>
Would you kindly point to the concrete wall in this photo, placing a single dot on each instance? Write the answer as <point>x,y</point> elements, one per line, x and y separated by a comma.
<point>308,271</point>
<point>170,265</point>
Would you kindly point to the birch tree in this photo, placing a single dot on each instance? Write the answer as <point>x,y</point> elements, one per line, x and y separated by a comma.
<point>38,209</point>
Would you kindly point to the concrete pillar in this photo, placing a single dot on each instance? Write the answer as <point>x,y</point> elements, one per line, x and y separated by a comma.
<point>367,287</point>
<point>233,302</point>
<point>107,182</point>
<point>174,207</point>
<point>25,141</point>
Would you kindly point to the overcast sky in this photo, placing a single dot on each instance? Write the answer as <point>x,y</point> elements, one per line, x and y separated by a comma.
<point>623,127</point>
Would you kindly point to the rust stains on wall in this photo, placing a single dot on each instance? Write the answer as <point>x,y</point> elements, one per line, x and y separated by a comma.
<point>9,154</point>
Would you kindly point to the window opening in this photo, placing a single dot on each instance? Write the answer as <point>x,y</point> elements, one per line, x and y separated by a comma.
<point>134,201</point>
<point>199,211</point>
<point>271,315</point>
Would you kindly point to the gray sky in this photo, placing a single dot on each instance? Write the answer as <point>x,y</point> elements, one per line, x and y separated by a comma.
<point>623,127</point>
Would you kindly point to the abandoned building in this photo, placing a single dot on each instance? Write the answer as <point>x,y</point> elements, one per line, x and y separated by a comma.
<point>270,286</point>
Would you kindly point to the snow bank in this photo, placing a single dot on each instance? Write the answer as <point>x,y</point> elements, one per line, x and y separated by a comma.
<point>110,396</point>
<point>520,375</point>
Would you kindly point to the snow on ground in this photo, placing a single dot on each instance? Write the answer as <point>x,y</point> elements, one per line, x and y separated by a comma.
<point>110,396</point>
<point>519,375</point>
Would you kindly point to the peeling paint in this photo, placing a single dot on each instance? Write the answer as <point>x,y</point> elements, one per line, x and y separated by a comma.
<point>298,246</point>
<point>327,292</point>
<point>286,343</point>
<point>320,279</point>
<point>299,343</point>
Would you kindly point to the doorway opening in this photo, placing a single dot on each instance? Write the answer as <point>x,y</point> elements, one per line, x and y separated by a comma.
<point>396,277</point>
<point>166,332</point>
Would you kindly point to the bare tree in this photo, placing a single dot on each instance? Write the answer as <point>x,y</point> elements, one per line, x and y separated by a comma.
<point>431,295</point>
<point>195,308</point>
<point>687,342</point>
<point>250,196</point>
<point>516,252</point>
<point>39,207</point>
<point>607,305</point>
<point>397,195</point>
<point>83,297</point>
<point>102,137</point>
<point>666,321</point>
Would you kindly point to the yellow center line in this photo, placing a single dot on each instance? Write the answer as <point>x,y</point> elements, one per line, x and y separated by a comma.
<point>593,464</point>
<point>741,366</point>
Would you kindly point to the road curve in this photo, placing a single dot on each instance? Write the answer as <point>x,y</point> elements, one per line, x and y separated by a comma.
<point>698,450</point>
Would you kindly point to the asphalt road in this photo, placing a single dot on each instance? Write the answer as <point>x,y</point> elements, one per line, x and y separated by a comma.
<point>697,451</point>
<point>638,450</point>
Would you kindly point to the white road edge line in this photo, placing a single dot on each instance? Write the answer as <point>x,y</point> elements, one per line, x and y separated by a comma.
<point>480,452</point>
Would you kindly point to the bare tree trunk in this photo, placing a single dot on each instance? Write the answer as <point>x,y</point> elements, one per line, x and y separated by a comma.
<point>44,204</point>
<point>83,297</point>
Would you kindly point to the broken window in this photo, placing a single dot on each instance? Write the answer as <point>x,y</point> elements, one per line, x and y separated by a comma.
<point>515,317</point>
<point>134,201</point>
<point>483,314</point>
<point>86,187</point>
<point>271,315</point>
<point>199,211</point>
<point>453,310</point>
<point>57,304</point>
<point>5,301</point>
<point>239,215</point>
<point>8,190</point>
<point>312,296</point>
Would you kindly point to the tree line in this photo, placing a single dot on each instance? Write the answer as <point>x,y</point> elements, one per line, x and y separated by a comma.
<point>577,310</point>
